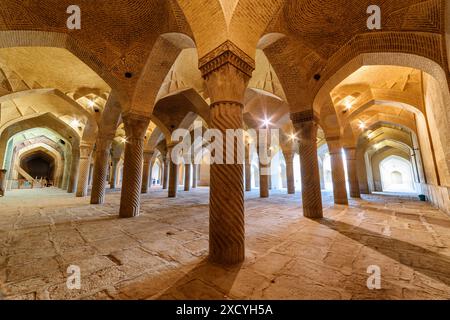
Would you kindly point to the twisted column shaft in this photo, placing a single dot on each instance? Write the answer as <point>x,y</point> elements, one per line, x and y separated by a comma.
<point>102,151</point>
<point>113,174</point>
<point>187,177</point>
<point>264,169</point>
<point>75,165</point>
<point>146,171</point>
<point>227,71</point>
<point>352,172</point>
<point>264,180</point>
<point>135,127</point>
<point>83,172</point>
<point>226,220</point>
<point>338,174</point>
<point>306,127</point>
<point>289,157</point>
<point>173,174</point>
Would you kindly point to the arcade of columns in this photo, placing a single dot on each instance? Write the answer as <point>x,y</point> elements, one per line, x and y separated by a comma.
<point>310,75</point>
<point>226,84</point>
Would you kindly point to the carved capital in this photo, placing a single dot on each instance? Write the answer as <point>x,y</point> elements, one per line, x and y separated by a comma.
<point>135,125</point>
<point>226,53</point>
<point>104,143</point>
<point>85,151</point>
<point>148,155</point>
<point>227,71</point>
<point>334,145</point>
<point>303,116</point>
<point>289,155</point>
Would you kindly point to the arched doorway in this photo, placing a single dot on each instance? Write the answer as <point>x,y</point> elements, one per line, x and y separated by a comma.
<point>396,175</point>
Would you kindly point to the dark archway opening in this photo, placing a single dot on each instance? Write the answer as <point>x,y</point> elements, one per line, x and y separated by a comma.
<point>39,165</point>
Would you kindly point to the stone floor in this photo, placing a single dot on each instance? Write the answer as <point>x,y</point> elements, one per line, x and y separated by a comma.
<point>162,254</point>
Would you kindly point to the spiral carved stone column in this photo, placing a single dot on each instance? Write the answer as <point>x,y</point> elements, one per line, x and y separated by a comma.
<point>173,174</point>
<point>289,157</point>
<point>135,128</point>
<point>352,171</point>
<point>102,151</point>
<point>146,171</point>
<point>338,173</point>
<point>227,230</point>
<point>306,128</point>
<point>227,71</point>
<point>264,170</point>
<point>83,172</point>
<point>264,180</point>
<point>187,177</point>
<point>72,187</point>
<point>113,174</point>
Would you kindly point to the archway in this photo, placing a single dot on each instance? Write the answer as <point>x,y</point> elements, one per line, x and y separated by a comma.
<point>396,175</point>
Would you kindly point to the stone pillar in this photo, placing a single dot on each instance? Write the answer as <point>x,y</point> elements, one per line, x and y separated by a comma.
<point>187,177</point>
<point>264,171</point>
<point>352,171</point>
<point>135,128</point>
<point>173,173</point>
<point>226,71</point>
<point>2,182</point>
<point>306,127</point>
<point>113,174</point>
<point>75,165</point>
<point>165,177</point>
<point>102,151</point>
<point>146,171</point>
<point>290,179</point>
<point>83,172</point>
<point>337,171</point>
<point>194,175</point>
<point>91,171</point>
<point>248,169</point>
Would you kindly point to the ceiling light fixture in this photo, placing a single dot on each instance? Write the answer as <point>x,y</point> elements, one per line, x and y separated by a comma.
<point>362,125</point>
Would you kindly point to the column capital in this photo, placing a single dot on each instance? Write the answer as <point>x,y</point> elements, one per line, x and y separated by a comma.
<point>301,117</point>
<point>350,153</point>
<point>334,144</point>
<point>85,150</point>
<point>224,54</point>
<point>104,142</point>
<point>135,125</point>
<point>227,71</point>
<point>148,155</point>
<point>288,155</point>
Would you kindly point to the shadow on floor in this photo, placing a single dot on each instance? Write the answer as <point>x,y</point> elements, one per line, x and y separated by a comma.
<point>206,281</point>
<point>425,261</point>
